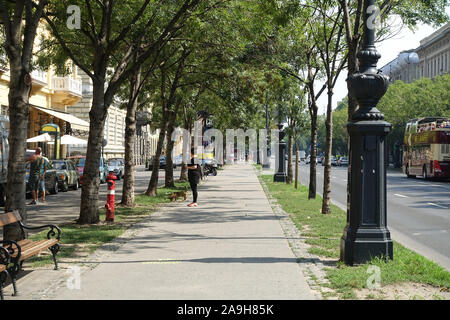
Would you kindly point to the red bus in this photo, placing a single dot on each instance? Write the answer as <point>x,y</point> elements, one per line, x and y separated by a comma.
<point>426,149</point>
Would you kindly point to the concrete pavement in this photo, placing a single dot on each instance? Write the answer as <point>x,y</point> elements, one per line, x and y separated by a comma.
<point>231,247</point>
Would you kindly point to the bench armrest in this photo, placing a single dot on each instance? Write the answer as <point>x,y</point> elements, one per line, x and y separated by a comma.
<point>11,250</point>
<point>51,232</point>
<point>5,257</point>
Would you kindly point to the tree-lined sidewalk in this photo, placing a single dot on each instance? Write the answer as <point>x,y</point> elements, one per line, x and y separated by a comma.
<point>231,247</point>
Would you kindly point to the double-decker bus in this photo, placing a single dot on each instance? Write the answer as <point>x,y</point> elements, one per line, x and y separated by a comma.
<point>426,149</point>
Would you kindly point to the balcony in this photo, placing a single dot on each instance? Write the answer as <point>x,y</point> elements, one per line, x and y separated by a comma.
<point>68,91</point>
<point>39,78</point>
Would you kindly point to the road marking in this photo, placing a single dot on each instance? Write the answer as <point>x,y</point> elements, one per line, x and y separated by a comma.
<point>400,195</point>
<point>436,205</point>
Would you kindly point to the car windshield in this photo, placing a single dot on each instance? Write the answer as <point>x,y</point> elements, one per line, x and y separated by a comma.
<point>59,166</point>
<point>113,163</point>
<point>81,162</point>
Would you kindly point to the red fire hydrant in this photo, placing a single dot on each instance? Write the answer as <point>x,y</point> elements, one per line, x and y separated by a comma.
<point>110,198</point>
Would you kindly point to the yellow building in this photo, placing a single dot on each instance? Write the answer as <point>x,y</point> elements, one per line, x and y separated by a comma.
<point>50,96</point>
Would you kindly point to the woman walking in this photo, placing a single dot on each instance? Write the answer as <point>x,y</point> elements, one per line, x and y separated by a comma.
<point>194,175</point>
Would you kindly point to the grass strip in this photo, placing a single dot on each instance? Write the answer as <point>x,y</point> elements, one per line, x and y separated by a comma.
<point>323,233</point>
<point>87,238</point>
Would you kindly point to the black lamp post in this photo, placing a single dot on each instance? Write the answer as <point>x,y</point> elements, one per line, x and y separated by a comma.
<point>366,234</point>
<point>280,162</point>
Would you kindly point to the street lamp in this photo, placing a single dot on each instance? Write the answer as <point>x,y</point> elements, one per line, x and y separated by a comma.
<point>366,234</point>
<point>280,161</point>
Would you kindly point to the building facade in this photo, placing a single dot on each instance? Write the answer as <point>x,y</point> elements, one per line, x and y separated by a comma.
<point>430,59</point>
<point>114,130</point>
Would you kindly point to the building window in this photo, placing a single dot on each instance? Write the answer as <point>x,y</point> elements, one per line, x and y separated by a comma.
<point>446,63</point>
<point>123,131</point>
<point>4,110</point>
<point>115,131</point>
<point>107,128</point>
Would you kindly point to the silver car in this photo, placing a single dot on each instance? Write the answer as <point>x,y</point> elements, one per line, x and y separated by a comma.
<point>117,166</point>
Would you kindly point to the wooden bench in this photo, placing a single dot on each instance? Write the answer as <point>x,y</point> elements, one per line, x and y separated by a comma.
<point>24,249</point>
<point>4,262</point>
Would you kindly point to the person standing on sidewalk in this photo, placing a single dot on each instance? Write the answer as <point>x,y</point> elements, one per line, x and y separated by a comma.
<point>43,172</point>
<point>194,175</point>
<point>36,161</point>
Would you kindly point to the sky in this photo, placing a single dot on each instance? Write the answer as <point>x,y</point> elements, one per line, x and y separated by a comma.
<point>389,50</point>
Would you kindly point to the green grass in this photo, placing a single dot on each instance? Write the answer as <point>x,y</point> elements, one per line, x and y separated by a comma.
<point>91,237</point>
<point>323,233</point>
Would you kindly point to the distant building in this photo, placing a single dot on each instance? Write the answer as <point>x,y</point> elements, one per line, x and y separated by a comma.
<point>430,59</point>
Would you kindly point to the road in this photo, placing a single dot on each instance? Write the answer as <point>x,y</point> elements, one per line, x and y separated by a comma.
<point>64,206</point>
<point>418,211</point>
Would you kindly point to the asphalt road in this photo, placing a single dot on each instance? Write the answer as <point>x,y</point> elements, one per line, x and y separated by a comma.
<point>418,211</point>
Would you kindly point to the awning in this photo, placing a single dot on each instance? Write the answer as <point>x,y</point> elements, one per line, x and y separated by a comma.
<point>75,123</point>
<point>40,138</point>
<point>66,139</point>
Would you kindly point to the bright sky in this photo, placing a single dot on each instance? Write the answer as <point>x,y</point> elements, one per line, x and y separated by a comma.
<point>389,50</point>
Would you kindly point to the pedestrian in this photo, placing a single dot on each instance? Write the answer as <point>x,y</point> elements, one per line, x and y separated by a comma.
<point>36,161</point>
<point>194,175</point>
<point>43,172</point>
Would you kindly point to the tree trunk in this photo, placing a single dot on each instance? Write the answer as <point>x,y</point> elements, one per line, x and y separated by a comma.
<point>18,115</point>
<point>130,139</point>
<point>91,181</point>
<point>169,181</point>
<point>19,27</point>
<point>290,172</point>
<point>296,168</point>
<point>313,164</point>
<point>152,189</point>
<point>326,200</point>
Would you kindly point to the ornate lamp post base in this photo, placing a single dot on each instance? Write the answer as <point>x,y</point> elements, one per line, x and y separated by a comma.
<point>280,163</point>
<point>366,234</point>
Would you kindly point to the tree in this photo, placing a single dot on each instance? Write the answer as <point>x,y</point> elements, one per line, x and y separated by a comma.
<point>327,31</point>
<point>292,105</point>
<point>169,104</point>
<point>112,42</point>
<point>20,23</point>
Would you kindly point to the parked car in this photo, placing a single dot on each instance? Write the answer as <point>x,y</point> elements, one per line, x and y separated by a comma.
<point>343,161</point>
<point>117,166</point>
<point>178,160</point>
<point>51,180</point>
<point>67,174</point>
<point>162,163</point>
<point>333,161</point>
<point>308,160</point>
<point>80,161</point>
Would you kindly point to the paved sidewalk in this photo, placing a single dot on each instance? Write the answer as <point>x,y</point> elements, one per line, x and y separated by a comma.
<point>231,247</point>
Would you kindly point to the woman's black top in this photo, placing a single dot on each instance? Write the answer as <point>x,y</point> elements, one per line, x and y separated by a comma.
<point>194,174</point>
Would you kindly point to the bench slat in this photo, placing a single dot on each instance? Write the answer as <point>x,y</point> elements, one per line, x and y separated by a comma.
<point>37,247</point>
<point>10,217</point>
<point>32,248</point>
